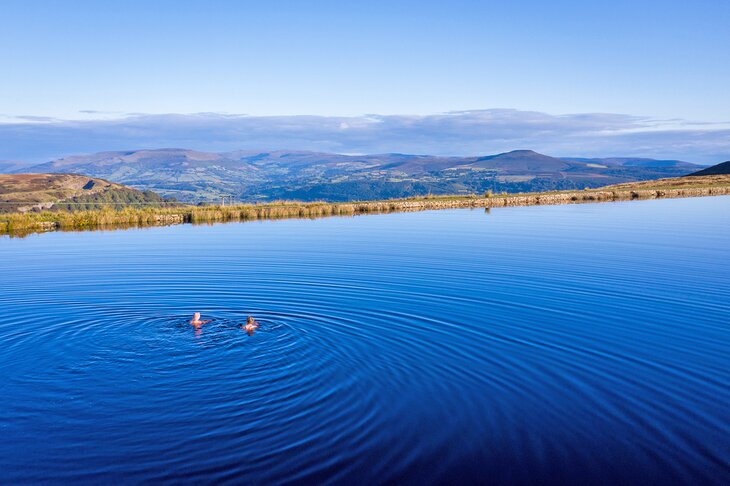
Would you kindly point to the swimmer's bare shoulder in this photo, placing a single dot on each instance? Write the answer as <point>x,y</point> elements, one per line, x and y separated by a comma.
<point>251,324</point>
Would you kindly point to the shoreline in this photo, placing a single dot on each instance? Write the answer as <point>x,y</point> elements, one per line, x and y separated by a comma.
<point>21,224</point>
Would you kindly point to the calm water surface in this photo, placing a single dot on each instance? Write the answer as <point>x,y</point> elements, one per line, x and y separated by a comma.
<point>585,344</point>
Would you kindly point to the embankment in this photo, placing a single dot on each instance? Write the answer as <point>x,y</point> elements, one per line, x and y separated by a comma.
<point>21,224</point>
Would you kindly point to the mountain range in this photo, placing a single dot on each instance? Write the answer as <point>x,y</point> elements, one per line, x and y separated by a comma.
<point>195,176</point>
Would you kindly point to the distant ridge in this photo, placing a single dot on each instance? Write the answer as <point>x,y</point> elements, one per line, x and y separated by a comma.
<point>719,169</point>
<point>524,160</point>
<point>10,166</point>
<point>635,162</point>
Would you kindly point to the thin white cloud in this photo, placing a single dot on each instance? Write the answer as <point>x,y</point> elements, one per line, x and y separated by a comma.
<point>455,133</point>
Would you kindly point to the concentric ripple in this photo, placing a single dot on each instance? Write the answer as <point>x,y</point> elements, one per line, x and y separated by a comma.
<point>570,345</point>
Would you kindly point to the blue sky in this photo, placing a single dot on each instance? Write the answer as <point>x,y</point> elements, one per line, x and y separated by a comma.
<point>666,62</point>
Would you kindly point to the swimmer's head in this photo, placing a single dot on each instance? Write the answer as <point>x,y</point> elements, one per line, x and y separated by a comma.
<point>196,316</point>
<point>250,320</point>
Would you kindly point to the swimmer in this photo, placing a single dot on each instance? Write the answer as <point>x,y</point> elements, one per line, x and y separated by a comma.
<point>251,325</point>
<point>196,320</point>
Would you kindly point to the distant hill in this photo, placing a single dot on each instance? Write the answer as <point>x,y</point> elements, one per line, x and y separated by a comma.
<point>187,174</point>
<point>722,168</point>
<point>194,176</point>
<point>28,192</point>
<point>8,166</point>
<point>636,162</point>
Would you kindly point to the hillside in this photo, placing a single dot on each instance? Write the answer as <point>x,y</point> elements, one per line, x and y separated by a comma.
<point>10,166</point>
<point>636,162</point>
<point>692,180</point>
<point>186,174</point>
<point>194,176</point>
<point>28,192</point>
<point>719,169</point>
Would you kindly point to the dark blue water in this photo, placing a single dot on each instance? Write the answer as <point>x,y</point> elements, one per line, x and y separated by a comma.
<point>585,344</point>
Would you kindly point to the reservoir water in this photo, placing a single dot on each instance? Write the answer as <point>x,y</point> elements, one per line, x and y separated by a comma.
<point>582,344</point>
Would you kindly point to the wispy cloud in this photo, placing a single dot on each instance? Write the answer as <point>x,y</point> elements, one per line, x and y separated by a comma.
<point>453,133</point>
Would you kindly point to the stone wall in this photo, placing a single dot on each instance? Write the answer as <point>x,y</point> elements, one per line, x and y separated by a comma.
<point>542,199</point>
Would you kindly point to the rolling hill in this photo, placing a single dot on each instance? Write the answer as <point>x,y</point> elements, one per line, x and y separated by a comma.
<point>684,182</point>
<point>637,162</point>
<point>186,174</point>
<point>194,176</point>
<point>28,192</point>
<point>719,169</point>
<point>9,166</point>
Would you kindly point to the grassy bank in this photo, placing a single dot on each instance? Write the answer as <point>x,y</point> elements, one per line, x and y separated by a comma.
<point>18,223</point>
<point>25,223</point>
